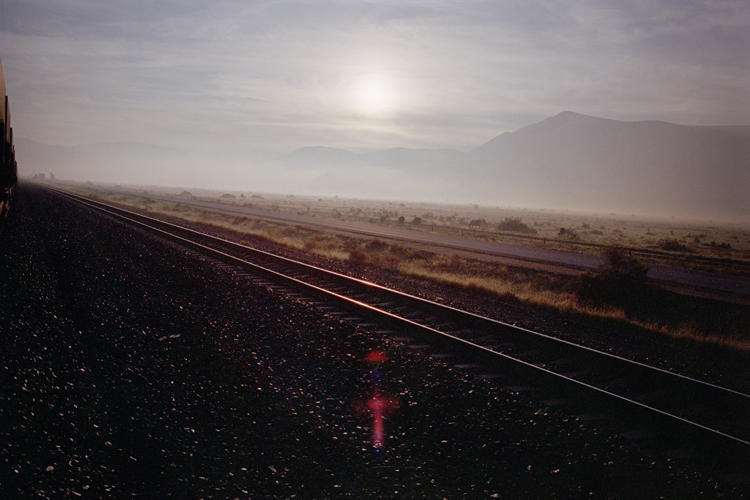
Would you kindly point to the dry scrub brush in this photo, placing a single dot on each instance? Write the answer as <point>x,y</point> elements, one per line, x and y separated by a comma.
<point>622,284</point>
<point>619,290</point>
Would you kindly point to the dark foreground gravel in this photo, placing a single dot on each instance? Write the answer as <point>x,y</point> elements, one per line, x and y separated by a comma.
<point>131,368</point>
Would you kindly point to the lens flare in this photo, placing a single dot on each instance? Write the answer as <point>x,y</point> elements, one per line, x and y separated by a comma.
<point>380,405</point>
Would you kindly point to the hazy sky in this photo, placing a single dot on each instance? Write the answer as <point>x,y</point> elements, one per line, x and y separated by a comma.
<point>262,78</point>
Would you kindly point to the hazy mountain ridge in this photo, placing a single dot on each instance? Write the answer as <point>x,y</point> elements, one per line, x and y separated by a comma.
<point>649,165</point>
<point>566,161</point>
<point>318,156</point>
<point>573,160</point>
<point>406,158</point>
<point>741,130</point>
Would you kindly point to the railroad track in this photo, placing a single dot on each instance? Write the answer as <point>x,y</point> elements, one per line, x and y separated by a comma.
<point>684,416</point>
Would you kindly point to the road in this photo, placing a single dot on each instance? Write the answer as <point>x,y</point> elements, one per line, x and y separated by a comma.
<point>718,285</point>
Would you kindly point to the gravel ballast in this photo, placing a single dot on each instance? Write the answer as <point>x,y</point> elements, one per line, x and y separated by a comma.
<point>132,368</point>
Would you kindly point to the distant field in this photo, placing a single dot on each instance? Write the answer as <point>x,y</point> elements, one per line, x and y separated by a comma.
<point>697,245</point>
<point>715,248</point>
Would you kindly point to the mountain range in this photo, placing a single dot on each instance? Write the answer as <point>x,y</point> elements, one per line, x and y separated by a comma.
<point>583,162</point>
<point>566,161</point>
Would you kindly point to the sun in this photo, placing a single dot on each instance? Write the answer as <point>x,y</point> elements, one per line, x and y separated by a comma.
<point>373,95</point>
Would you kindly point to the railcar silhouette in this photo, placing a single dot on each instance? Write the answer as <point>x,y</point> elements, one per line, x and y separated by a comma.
<point>8,166</point>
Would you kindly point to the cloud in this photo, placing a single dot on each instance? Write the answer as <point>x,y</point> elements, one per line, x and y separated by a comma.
<point>266,77</point>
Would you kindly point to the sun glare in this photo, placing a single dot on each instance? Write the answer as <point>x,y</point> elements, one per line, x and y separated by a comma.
<point>373,95</point>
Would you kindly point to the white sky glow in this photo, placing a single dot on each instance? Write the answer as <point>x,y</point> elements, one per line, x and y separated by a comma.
<point>373,95</point>
<point>258,79</point>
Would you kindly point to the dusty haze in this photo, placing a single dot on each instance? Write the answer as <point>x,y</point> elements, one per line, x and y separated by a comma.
<point>213,94</point>
<point>569,161</point>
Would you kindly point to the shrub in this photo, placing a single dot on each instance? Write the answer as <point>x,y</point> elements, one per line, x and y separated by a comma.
<point>357,257</point>
<point>567,233</point>
<point>619,261</point>
<point>376,245</point>
<point>409,254</point>
<point>723,246</point>
<point>620,282</point>
<point>350,244</point>
<point>514,224</point>
<point>672,245</point>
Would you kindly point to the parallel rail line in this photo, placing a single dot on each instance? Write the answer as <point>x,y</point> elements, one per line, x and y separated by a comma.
<point>681,411</point>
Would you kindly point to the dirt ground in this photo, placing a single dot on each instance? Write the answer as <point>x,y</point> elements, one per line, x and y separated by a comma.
<point>567,230</point>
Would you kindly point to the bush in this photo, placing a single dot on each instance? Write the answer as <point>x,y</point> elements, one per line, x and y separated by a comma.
<point>619,261</point>
<point>376,245</point>
<point>621,282</point>
<point>672,245</point>
<point>515,225</point>
<point>357,257</point>
<point>567,233</point>
<point>409,254</point>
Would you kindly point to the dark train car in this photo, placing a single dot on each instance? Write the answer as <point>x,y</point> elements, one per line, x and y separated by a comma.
<point>8,166</point>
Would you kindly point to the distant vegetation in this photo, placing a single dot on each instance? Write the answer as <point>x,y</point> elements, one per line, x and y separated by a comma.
<point>515,225</point>
<point>618,291</point>
<point>621,283</point>
<point>672,245</point>
<point>566,232</point>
